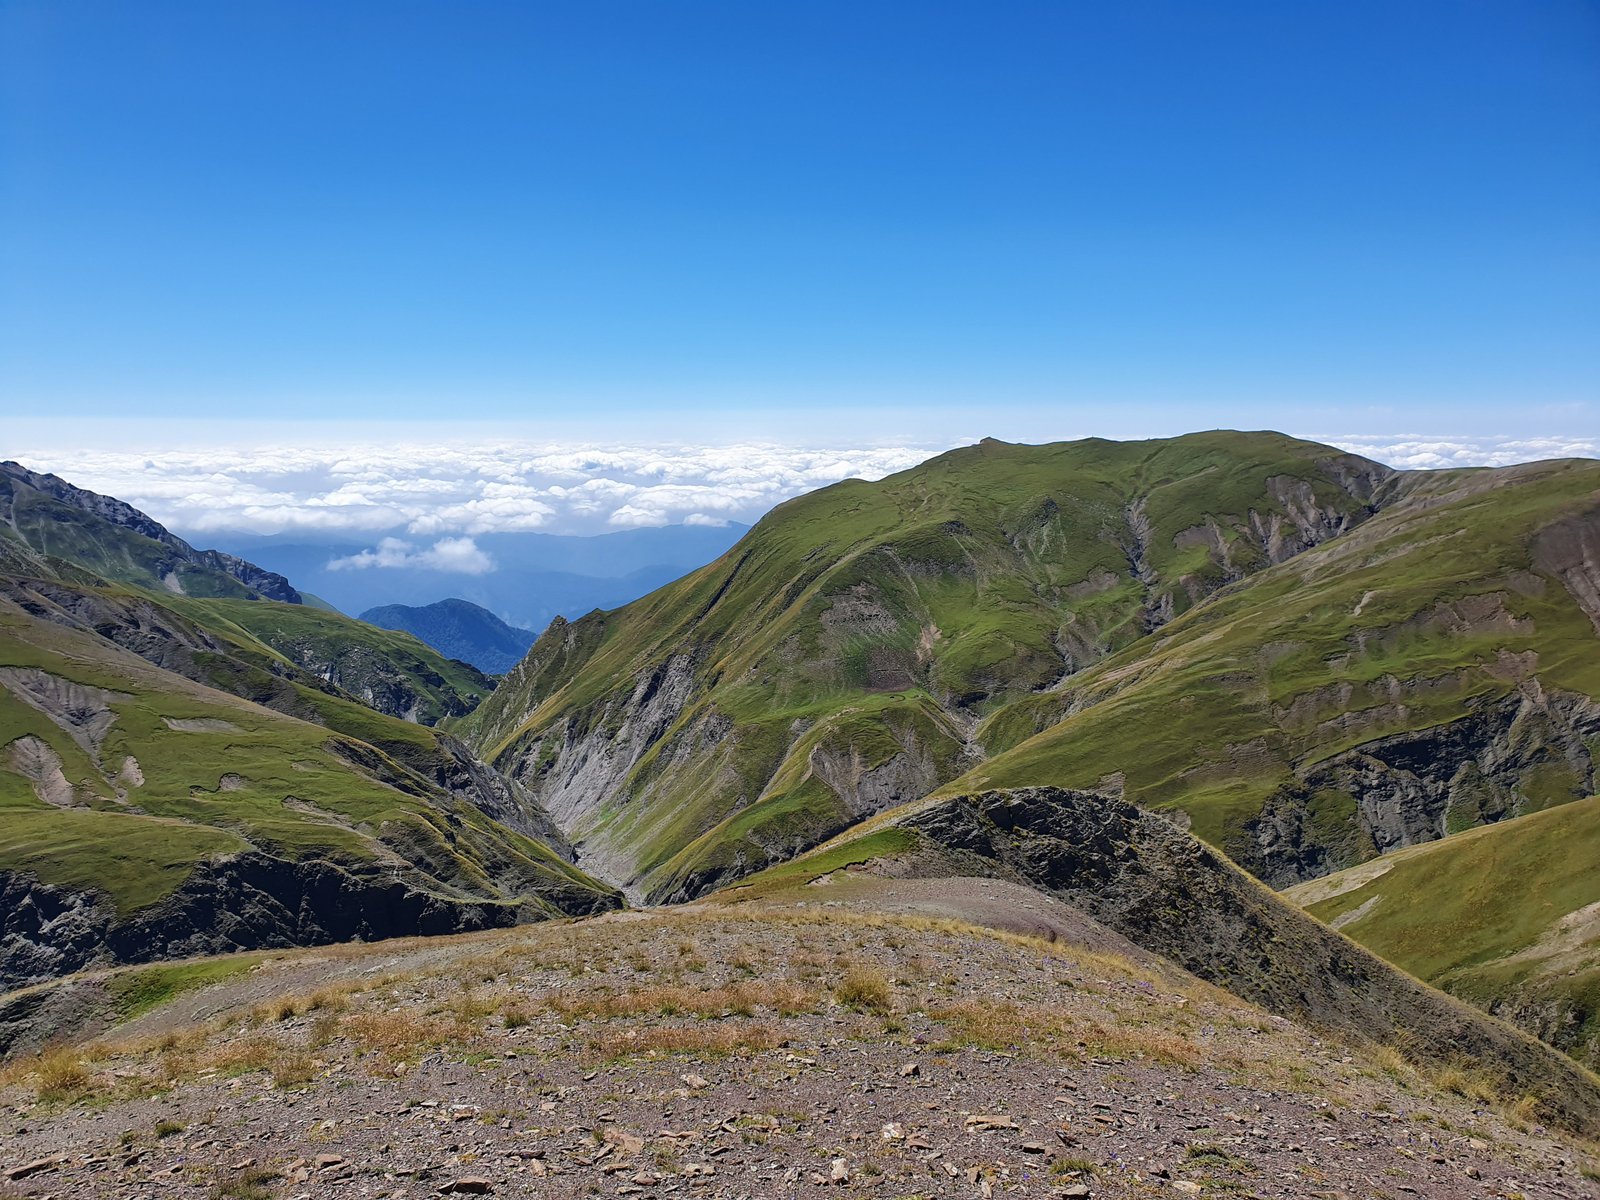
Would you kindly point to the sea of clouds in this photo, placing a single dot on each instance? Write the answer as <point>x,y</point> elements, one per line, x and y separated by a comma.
<point>423,505</point>
<point>456,491</point>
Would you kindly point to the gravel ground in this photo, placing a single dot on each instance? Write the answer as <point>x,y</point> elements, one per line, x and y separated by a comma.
<point>853,1037</point>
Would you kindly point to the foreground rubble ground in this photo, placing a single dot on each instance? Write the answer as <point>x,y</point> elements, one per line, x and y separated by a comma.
<point>894,1037</point>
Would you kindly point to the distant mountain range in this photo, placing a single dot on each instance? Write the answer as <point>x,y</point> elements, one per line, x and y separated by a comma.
<point>1093,669</point>
<point>458,629</point>
<point>536,577</point>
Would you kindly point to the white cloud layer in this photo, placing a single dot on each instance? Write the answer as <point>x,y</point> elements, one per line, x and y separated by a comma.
<point>428,502</point>
<point>1430,453</point>
<point>459,555</point>
<point>460,491</point>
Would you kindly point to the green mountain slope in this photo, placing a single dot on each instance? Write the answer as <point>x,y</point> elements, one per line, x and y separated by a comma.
<point>188,767</point>
<point>116,541</point>
<point>1431,671</point>
<point>459,629</point>
<point>52,532</point>
<point>392,671</point>
<point>1507,918</point>
<point>841,657</point>
<point>147,816</point>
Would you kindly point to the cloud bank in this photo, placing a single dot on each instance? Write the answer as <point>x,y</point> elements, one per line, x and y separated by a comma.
<point>422,505</point>
<point>460,555</point>
<point>414,492</point>
<point>1425,453</point>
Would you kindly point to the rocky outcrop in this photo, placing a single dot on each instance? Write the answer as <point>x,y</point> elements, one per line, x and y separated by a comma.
<point>865,788</point>
<point>248,902</point>
<point>1570,551</point>
<point>575,765</point>
<point>1513,755</point>
<point>504,800</point>
<point>1142,876</point>
<point>1298,520</point>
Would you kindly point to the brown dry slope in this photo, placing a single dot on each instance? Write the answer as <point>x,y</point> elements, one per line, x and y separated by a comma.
<point>854,1035</point>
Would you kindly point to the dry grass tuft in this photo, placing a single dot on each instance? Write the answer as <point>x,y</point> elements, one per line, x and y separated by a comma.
<point>248,1184</point>
<point>865,989</point>
<point>292,1068</point>
<point>398,1034</point>
<point>1135,1042</point>
<point>246,1055</point>
<point>57,1076</point>
<point>738,999</point>
<point>1474,1085</point>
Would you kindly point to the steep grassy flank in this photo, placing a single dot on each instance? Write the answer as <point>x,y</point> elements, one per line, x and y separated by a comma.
<point>1506,916</point>
<point>1423,673</point>
<point>117,559</point>
<point>120,781</point>
<point>389,670</point>
<point>115,541</point>
<point>678,736</point>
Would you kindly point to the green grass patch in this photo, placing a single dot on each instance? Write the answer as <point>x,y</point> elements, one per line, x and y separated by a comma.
<point>140,990</point>
<point>885,843</point>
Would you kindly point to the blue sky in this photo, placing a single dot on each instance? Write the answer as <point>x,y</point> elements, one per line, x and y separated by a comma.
<point>910,221</point>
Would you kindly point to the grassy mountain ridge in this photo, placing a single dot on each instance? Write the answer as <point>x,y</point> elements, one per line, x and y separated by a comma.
<point>51,531</point>
<point>393,671</point>
<point>1425,673</point>
<point>1429,672</point>
<point>1509,921</point>
<point>116,541</point>
<point>123,782</point>
<point>719,720</point>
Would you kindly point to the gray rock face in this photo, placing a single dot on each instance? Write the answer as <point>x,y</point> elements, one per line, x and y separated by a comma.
<point>1142,876</point>
<point>574,767</point>
<point>137,625</point>
<point>868,790</point>
<point>505,800</point>
<point>248,902</point>
<point>1570,550</point>
<point>1502,759</point>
